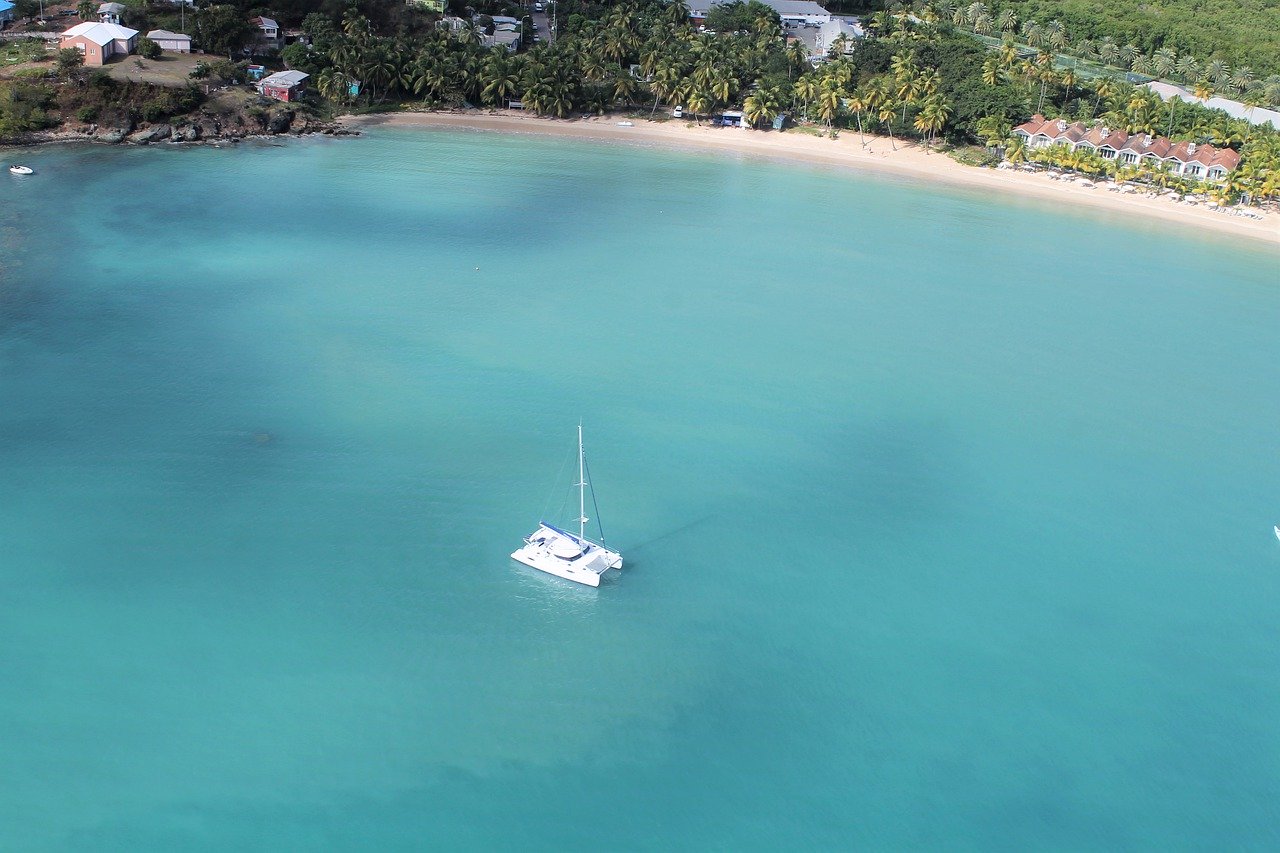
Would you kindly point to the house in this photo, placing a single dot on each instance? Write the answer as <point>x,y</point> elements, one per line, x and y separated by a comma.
<point>793,12</point>
<point>99,41</point>
<point>111,13</point>
<point>502,37</point>
<point>173,42</point>
<point>1200,161</point>
<point>269,38</point>
<point>6,11</point>
<point>284,85</point>
<point>835,29</point>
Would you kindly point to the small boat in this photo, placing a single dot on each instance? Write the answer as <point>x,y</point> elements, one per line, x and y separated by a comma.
<point>626,124</point>
<point>563,554</point>
<point>1276,528</point>
<point>21,170</point>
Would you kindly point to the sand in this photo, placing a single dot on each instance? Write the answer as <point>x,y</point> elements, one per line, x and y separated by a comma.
<point>879,156</point>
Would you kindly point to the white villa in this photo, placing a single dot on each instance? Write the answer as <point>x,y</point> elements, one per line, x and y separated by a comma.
<point>830,32</point>
<point>1200,161</point>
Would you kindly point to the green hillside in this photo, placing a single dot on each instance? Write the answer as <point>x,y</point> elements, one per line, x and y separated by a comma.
<point>1241,32</point>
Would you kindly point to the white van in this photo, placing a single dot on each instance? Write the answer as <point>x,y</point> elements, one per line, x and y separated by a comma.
<point>678,112</point>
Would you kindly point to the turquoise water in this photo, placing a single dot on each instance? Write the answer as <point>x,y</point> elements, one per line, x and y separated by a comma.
<point>947,518</point>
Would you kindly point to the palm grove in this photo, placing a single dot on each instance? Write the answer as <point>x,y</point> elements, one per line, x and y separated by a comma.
<point>919,75</point>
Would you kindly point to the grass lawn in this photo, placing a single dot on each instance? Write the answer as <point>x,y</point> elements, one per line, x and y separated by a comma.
<point>171,69</point>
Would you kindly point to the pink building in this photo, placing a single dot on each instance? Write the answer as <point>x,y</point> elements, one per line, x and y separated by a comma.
<point>1194,160</point>
<point>98,41</point>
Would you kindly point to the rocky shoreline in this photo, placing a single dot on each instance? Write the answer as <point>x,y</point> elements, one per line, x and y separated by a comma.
<point>197,128</point>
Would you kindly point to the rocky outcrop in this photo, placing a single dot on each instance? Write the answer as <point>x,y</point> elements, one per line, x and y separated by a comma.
<point>111,136</point>
<point>279,121</point>
<point>155,133</point>
<point>199,126</point>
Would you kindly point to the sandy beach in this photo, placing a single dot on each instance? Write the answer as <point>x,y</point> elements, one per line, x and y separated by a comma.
<point>908,160</point>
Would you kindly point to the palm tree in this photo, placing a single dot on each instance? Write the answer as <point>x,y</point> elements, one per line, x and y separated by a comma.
<point>1105,89</point>
<point>666,80</point>
<point>1068,80</point>
<point>1203,89</point>
<point>1241,78</point>
<point>830,96</point>
<point>806,89</point>
<point>886,115</point>
<point>1032,32</point>
<point>1008,54</point>
<point>933,117</point>
<point>1218,73</point>
<point>624,88</point>
<point>992,74</point>
<point>676,13</point>
<point>1056,35</point>
<point>1007,21</point>
<point>1164,61</point>
<point>797,54</point>
<point>501,81</point>
<point>858,101</point>
<point>1015,150</point>
<point>761,106</point>
<point>723,85</point>
<point>1188,67</point>
<point>699,103</point>
<point>1108,51</point>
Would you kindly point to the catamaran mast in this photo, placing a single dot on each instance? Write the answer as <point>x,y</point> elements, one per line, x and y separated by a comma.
<point>582,489</point>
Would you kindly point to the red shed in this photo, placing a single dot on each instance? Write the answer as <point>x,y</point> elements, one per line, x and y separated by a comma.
<point>284,85</point>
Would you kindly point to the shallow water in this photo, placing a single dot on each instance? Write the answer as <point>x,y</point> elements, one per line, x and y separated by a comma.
<point>947,518</point>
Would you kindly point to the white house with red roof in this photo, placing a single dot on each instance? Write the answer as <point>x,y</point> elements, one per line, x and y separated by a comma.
<point>1201,161</point>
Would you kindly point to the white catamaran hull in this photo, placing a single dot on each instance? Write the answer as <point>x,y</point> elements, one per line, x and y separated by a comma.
<point>551,550</point>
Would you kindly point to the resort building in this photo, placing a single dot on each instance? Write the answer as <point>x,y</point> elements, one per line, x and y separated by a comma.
<point>1199,161</point>
<point>283,85</point>
<point>1235,109</point>
<point>6,11</point>
<point>98,42</point>
<point>835,29</point>
<point>172,42</point>
<point>794,12</point>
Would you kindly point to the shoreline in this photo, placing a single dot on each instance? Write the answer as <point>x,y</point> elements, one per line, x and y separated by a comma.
<point>908,160</point>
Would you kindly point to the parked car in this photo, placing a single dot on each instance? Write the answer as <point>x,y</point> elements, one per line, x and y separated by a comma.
<point>678,112</point>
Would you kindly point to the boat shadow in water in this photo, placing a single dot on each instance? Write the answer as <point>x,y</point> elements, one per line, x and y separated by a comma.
<point>635,553</point>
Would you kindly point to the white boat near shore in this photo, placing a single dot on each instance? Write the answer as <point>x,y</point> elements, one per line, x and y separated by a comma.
<point>566,555</point>
<point>21,170</point>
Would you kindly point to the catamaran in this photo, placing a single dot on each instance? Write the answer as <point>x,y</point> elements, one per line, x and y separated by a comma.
<point>563,554</point>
